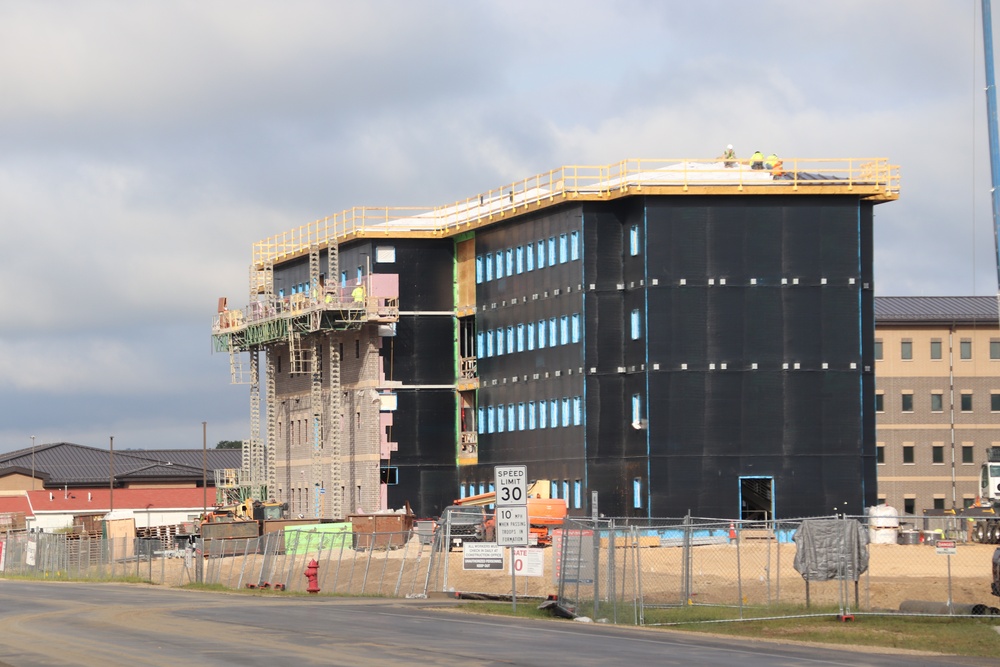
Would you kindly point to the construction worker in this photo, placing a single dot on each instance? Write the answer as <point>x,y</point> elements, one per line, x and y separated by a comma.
<point>777,168</point>
<point>358,294</point>
<point>729,156</point>
<point>771,160</point>
<point>757,160</point>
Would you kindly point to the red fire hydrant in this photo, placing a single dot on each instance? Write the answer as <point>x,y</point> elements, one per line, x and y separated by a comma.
<point>311,569</point>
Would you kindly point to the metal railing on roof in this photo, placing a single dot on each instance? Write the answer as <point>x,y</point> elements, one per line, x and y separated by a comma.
<point>871,178</point>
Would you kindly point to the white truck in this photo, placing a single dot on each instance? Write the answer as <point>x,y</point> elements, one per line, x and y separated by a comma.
<point>986,517</point>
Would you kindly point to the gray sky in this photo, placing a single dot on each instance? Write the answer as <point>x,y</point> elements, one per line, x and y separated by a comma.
<point>144,147</point>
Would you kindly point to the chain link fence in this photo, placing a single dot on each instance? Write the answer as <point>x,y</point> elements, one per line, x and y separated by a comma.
<point>649,571</point>
<point>381,564</point>
<point>683,570</point>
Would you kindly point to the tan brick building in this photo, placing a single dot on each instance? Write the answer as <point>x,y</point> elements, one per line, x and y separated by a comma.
<point>937,377</point>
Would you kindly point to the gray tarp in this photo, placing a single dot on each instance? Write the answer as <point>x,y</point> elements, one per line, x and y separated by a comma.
<point>831,549</point>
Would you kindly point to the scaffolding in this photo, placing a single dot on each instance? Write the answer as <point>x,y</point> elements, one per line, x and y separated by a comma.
<point>307,323</point>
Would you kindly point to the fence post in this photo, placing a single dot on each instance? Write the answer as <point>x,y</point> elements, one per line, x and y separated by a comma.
<point>612,565</point>
<point>777,584</point>
<point>739,571</point>
<point>402,565</point>
<point>446,550</point>
<point>686,559</point>
<point>597,561</point>
<point>199,559</point>
<point>770,534</point>
<point>638,577</point>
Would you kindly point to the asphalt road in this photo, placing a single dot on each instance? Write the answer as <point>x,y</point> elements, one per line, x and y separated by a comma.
<point>49,623</point>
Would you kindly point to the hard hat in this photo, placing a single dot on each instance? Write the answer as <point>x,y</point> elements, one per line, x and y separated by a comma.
<point>729,147</point>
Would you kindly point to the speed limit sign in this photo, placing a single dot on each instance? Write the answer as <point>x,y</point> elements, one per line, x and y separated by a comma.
<point>511,484</point>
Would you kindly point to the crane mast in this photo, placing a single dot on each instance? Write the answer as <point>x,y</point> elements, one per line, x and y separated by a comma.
<point>991,122</point>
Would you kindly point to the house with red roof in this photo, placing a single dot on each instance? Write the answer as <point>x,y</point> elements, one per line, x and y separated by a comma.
<point>67,486</point>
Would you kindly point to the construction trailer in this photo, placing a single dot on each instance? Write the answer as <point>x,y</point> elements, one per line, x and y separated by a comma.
<point>674,334</point>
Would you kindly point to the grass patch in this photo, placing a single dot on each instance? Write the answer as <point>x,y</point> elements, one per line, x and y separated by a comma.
<point>973,637</point>
<point>954,636</point>
<point>526,609</point>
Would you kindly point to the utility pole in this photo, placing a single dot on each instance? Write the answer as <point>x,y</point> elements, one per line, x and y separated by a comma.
<point>111,480</point>
<point>32,463</point>
<point>204,467</point>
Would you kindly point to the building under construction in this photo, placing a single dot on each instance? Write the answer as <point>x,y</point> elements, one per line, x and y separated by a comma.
<point>673,335</point>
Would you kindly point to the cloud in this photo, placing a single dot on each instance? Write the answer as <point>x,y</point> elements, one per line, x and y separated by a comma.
<point>144,147</point>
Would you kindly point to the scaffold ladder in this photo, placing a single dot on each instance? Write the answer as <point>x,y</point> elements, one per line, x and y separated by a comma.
<point>237,372</point>
<point>316,408</point>
<point>272,426</point>
<point>336,464</point>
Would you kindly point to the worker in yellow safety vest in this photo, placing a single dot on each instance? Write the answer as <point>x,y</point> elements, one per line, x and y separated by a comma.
<point>757,160</point>
<point>358,294</point>
<point>775,165</point>
<point>729,155</point>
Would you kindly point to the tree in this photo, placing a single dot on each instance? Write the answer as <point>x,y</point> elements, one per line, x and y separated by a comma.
<point>230,444</point>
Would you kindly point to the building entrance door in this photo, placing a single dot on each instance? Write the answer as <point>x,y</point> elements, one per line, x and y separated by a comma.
<point>756,498</point>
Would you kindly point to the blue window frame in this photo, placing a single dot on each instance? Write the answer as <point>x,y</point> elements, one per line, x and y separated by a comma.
<point>489,343</point>
<point>554,490</point>
<point>488,261</point>
<point>565,492</point>
<point>491,423</point>
<point>511,418</point>
<point>500,345</point>
<point>481,421</point>
<point>498,260</point>
<point>553,332</point>
<point>577,492</point>
<point>574,246</point>
<point>574,327</point>
<point>542,413</point>
<point>531,415</point>
<point>554,413</point>
<point>361,274</point>
<point>565,412</point>
<point>577,411</point>
<point>510,339</point>
<point>343,278</point>
<point>563,248</point>
<point>529,257</point>
<point>633,240</point>
<point>501,422</point>
<point>541,334</point>
<point>530,335</point>
<point>480,344</point>
<point>636,408</point>
<point>522,417</point>
<point>510,261</point>
<point>541,254</point>
<point>636,325</point>
<point>637,492</point>
<point>552,251</point>
<point>519,256</point>
<point>479,270</point>
<point>520,338</point>
<point>564,330</point>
